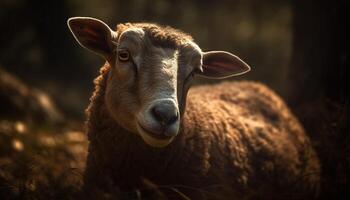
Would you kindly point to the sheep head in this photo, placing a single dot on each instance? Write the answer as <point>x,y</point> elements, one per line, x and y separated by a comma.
<point>152,68</point>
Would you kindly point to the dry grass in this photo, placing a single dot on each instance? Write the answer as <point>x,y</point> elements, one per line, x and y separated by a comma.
<point>37,163</point>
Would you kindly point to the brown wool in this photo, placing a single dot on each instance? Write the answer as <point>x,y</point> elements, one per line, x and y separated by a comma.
<point>237,140</point>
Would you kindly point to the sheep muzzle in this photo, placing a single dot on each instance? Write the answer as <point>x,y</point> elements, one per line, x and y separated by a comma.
<point>159,123</point>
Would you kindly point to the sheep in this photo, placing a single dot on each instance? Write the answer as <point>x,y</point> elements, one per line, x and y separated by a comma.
<point>231,140</point>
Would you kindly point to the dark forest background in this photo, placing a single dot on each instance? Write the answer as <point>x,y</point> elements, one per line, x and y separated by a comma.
<point>298,48</point>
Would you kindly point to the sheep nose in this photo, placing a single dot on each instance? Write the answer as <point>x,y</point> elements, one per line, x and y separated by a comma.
<point>165,113</point>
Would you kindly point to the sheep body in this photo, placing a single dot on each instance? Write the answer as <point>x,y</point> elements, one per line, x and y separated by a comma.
<point>237,139</point>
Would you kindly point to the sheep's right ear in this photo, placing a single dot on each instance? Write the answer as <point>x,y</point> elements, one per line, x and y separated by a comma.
<point>92,34</point>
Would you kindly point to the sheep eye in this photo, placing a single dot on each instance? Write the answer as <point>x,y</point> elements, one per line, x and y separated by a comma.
<point>190,76</point>
<point>123,55</point>
<point>192,73</point>
<point>195,71</point>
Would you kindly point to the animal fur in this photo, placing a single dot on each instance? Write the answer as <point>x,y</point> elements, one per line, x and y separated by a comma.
<point>237,140</point>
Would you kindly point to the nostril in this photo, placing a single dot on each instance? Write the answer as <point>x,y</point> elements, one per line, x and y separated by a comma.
<point>157,113</point>
<point>173,119</point>
<point>164,114</point>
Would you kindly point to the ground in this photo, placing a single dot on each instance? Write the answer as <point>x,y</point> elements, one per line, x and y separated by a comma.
<point>39,163</point>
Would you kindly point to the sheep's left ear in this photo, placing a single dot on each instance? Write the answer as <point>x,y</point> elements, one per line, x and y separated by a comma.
<point>222,64</point>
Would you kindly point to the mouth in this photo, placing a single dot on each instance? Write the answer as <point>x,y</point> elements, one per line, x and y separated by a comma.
<point>153,139</point>
<point>159,136</point>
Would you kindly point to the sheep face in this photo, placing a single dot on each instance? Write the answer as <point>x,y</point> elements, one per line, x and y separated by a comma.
<point>145,83</point>
<point>152,68</point>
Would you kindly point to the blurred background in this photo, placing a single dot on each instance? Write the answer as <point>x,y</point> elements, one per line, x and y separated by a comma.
<point>298,48</point>
<point>37,46</point>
